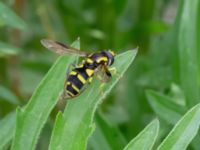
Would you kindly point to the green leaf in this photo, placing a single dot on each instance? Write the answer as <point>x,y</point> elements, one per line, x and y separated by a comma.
<point>6,49</point>
<point>188,51</point>
<point>183,132</point>
<point>146,138</point>
<point>106,136</point>
<point>8,17</point>
<point>165,107</point>
<point>8,96</point>
<point>177,94</point>
<point>32,117</point>
<point>72,129</point>
<point>7,126</point>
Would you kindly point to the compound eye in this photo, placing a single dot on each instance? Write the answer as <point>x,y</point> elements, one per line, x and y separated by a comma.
<point>110,55</point>
<point>111,60</point>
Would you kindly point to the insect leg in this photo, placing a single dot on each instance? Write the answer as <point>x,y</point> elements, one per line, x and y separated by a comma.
<point>115,72</point>
<point>103,74</point>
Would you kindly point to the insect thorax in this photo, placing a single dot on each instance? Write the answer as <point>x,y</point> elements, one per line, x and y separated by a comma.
<point>97,59</point>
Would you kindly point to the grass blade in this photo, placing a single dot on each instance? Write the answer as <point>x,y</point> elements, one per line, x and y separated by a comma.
<point>8,96</point>
<point>7,126</point>
<point>33,116</point>
<point>187,45</point>
<point>165,107</point>
<point>7,50</point>
<point>183,132</point>
<point>8,17</point>
<point>145,139</point>
<point>73,128</point>
<point>105,136</point>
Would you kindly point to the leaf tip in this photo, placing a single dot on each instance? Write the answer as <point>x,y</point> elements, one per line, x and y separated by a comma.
<point>78,38</point>
<point>156,122</point>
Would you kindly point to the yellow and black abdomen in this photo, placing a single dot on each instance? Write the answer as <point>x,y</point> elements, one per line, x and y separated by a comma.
<point>76,80</point>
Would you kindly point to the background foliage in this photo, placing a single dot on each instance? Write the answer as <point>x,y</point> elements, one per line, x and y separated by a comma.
<point>162,82</point>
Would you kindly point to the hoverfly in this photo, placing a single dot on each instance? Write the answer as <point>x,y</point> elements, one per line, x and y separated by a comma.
<point>93,64</point>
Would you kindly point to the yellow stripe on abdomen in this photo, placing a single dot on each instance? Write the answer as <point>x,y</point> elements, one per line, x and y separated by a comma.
<point>73,73</point>
<point>75,88</point>
<point>81,79</point>
<point>70,93</point>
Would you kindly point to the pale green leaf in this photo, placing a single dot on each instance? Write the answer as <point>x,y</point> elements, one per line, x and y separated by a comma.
<point>146,138</point>
<point>165,107</point>
<point>8,17</point>
<point>32,117</point>
<point>188,51</point>
<point>6,49</point>
<point>7,126</point>
<point>183,132</point>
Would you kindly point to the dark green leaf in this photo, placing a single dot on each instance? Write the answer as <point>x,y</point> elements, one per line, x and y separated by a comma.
<point>7,95</point>
<point>105,136</point>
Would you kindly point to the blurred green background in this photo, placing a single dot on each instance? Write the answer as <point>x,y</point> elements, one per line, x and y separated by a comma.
<point>167,62</point>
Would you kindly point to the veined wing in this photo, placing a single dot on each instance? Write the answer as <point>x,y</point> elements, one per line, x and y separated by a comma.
<point>103,74</point>
<point>61,48</point>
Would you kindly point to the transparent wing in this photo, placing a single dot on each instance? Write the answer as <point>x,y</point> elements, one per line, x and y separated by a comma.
<point>61,48</point>
<point>103,74</point>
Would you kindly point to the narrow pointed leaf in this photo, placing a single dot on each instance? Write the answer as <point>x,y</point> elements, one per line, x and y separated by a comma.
<point>8,17</point>
<point>32,117</point>
<point>165,107</point>
<point>183,132</point>
<point>8,96</point>
<point>7,126</point>
<point>146,138</point>
<point>188,51</point>
<point>7,49</point>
